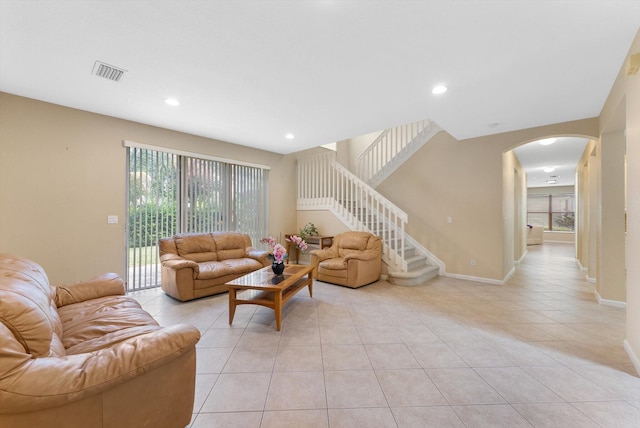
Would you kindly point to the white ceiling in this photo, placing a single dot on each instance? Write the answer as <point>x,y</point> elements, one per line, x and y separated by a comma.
<point>251,71</point>
<point>563,155</point>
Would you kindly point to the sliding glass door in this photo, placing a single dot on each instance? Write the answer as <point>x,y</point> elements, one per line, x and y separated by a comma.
<point>170,193</point>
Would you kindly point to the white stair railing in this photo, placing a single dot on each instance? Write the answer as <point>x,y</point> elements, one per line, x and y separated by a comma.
<point>325,184</point>
<point>391,148</point>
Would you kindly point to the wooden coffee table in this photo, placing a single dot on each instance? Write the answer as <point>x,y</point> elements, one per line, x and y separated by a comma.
<point>264,288</point>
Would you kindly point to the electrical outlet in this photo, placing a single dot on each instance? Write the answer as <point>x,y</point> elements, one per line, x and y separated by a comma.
<point>112,219</point>
<point>472,262</point>
<point>449,220</point>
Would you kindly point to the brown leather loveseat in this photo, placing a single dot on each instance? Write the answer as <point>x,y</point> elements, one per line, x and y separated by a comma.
<point>200,264</point>
<point>86,355</point>
<point>354,260</point>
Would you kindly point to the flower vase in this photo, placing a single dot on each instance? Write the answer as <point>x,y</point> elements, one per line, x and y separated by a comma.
<point>277,268</point>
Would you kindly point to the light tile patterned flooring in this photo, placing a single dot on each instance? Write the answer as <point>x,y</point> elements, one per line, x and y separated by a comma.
<point>539,351</point>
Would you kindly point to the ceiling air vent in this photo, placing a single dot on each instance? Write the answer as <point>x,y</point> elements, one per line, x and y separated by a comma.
<point>107,71</point>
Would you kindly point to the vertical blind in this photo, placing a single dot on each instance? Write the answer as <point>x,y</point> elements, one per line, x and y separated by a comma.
<point>171,193</point>
<point>553,211</point>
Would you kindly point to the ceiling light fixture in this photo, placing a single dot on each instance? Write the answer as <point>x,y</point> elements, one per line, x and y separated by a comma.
<point>172,102</point>
<point>552,181</point>
<point>289,136</point>
<point>439,89</point>
<point>547,141</point>
<point>548,169</point>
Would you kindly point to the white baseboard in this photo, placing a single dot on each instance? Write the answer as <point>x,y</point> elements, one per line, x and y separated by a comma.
<point>508,275</point>
<point>606,302</point>
<point>473,278</point>
<point>582,268</point>
<point>632,356</point>
<point>517,262</point>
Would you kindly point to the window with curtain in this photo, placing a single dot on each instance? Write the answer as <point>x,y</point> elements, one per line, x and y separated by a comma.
<point>172,192</point>
<point>554,212</point>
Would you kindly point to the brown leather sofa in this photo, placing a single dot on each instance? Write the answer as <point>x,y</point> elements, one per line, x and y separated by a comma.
<point>200,264</point>
<point>85,355</point>
<point>354,260</point>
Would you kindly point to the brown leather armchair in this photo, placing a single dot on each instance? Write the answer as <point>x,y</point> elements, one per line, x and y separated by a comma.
<point>354,260</point>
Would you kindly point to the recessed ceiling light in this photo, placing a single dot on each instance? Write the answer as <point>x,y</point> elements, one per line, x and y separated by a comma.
<point>494,125</point>
<point>549,169</point>
<point>172,101</point>
<point>439,89</point>
<point>289,136</point>
<point>552,181</point>
<point>547,141</point>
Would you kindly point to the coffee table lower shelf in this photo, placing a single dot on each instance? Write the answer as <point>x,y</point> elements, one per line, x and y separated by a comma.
<point>267,289</point>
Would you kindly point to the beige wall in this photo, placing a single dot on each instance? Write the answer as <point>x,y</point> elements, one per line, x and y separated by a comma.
<point>568,237</point>
<point>622,112</point>
<point>349,150</point>
<point>583,218</point>
<point>611,284</point>
<point>520,222</point>
<point>464,180</point>
<point>594,212</point>
<point>325,222</point>
<point>513,197</point>
<point>63,171</point>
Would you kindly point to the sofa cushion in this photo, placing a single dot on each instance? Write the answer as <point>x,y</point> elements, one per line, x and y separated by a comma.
<point>242,266</point>
<point>337,263</point>
<point>352,243</point>
<point>230,245</point>
<point>95,321</point>
<point>198,247</point>
<point>333,273</point>
<point>111,338</point>
<point>210,270</point>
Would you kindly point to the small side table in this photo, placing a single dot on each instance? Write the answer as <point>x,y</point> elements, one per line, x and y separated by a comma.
<point>313,241</point>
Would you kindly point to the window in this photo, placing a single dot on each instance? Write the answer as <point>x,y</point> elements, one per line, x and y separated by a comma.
<point>554,212</point>
<point>172,192</point>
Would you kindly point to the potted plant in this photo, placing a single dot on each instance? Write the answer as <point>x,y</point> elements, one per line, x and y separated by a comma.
<point>308,230</point>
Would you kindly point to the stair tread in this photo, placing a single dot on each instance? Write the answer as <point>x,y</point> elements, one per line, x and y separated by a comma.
<point>413,273</point>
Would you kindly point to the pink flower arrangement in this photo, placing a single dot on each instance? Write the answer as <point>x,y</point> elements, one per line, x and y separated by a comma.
<point>269,241</point>
<point>299,242</point>
<point>278,252</point>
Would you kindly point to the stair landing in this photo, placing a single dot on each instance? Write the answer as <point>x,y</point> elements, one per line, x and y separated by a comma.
<point>414,277</point>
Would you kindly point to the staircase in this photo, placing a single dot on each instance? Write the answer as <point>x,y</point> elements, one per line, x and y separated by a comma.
<point>325,184</point>
<point>417,268</point>
<point>391,149</point>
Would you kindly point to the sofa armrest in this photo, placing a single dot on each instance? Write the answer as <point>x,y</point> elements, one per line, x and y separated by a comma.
<point>324,254</point>
<point>363,255</point>
<point>40,383</point>
<point>259,255</point>
<point>180,263</point>
<point>108,284</point>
